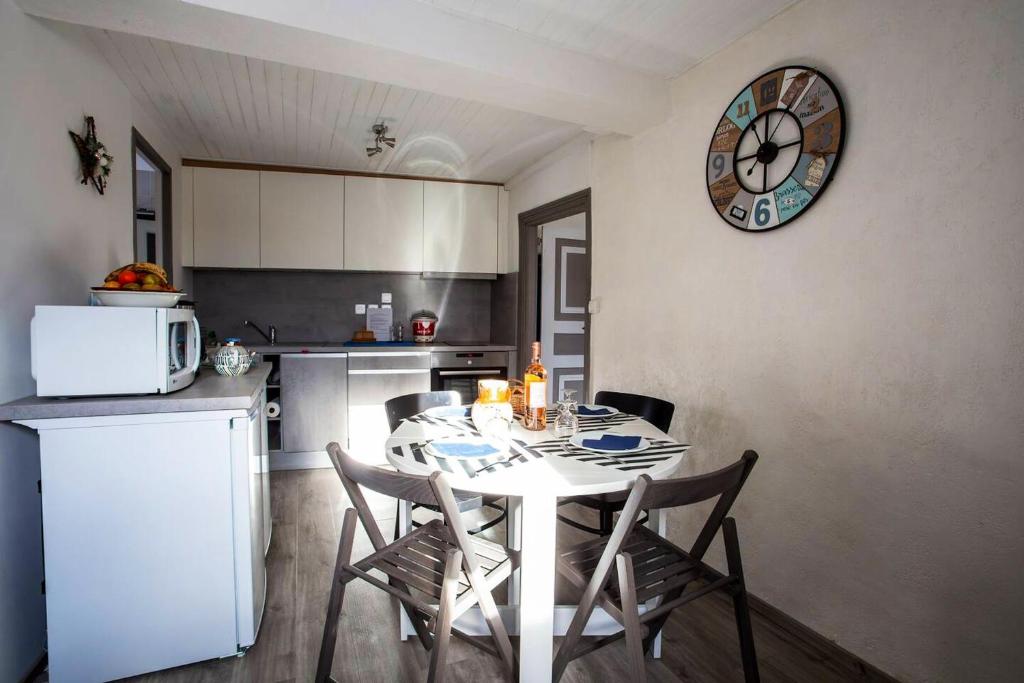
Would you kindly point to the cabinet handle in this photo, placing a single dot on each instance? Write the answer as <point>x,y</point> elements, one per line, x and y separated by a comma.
<point>452,373</point>
<point>390,372</point>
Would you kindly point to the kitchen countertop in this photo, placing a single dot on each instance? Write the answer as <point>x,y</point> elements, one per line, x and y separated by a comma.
<point>339,347</point>
<point>209,391</point>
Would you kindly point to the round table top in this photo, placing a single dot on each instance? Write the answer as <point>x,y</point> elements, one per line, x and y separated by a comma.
<point>537,462</point>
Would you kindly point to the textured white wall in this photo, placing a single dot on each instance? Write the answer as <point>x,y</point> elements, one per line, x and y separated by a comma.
<point>562,172</point>
<point>871,351</point>
<point>58,238</point>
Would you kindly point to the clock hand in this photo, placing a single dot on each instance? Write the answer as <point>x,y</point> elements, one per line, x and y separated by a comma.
<point>777,124</point>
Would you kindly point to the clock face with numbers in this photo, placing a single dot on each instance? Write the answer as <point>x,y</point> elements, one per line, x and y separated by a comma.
<point>776,148</point>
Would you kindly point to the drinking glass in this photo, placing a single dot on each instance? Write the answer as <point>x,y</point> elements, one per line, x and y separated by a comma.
<point>566,422</point>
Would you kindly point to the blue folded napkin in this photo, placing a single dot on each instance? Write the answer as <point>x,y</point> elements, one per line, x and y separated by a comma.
<point>583,410</point>
<point>613,442</point>
<point>464,450</point>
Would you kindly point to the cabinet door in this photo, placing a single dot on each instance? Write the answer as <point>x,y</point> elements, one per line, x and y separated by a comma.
<point>226,218</point>
<point>314,401</point>
<point>187,230</point>
<point>383,224</point>
<point>301,220</point>
<point>460,228</point>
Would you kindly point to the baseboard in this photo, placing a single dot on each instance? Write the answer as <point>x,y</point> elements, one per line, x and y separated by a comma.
<point>853,666</point>
<point>280,460</point>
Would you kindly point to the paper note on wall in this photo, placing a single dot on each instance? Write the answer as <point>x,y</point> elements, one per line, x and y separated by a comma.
<point>378,321</point>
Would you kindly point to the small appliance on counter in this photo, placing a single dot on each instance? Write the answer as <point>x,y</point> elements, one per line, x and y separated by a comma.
<point>232,359</point>
<point>111,350</point>
<point>424,326</point>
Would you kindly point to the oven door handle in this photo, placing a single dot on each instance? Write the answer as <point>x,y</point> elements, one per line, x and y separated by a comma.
<point>463,373</point>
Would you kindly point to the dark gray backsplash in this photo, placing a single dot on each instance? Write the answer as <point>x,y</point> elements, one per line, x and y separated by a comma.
<point>319,306</point>
<point>504,297</point>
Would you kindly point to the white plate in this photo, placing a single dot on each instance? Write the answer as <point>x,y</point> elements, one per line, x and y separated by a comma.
<point>468,440</point>
<point>594,406</point>
<point>447,412</point>
<point>136,298</point>
<point>579,437</point>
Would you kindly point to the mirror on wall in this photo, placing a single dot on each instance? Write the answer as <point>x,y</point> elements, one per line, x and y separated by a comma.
<point>151,180</point>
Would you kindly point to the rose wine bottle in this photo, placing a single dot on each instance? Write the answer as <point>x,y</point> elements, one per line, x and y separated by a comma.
<point>535,385</point>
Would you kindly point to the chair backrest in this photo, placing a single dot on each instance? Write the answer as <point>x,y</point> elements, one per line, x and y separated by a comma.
<point>654,410</point>
<point>432,490</point>
<point>400,485</point>
<point>403,407</point>
<point>725,484</point>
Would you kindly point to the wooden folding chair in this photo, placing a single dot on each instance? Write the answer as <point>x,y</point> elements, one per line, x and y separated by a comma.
<point>649,567</point>
<point>404,407</point>
<point>656,411</point>
<point>438,561</point>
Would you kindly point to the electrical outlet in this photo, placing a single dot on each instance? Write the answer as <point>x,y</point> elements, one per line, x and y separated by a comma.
<point>385,297</point>
<point>360,309</point>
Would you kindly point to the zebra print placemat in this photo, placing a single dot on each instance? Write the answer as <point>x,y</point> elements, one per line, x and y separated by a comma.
<point>660,450</point>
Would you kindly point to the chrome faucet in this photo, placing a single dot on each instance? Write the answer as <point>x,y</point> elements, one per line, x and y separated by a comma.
<point>271,337</point>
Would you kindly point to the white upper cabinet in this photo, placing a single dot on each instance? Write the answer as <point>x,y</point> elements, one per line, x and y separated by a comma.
<point>226,218</point>
<point>301,220</point>
<point>383,224</point>
<point>460,228</point>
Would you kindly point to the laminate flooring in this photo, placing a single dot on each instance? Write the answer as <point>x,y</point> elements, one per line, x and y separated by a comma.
<point>700,642</point>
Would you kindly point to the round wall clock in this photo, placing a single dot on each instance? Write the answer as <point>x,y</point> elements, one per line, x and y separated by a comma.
<point>776,148</point>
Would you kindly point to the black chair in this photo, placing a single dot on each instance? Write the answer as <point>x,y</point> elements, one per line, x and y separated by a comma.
<point>656,411</point>
<point>404,407</point>
<point>438,561</point>
<point>649,567</point>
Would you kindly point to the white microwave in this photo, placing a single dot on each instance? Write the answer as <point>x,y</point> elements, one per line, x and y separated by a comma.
<point>108,350</point>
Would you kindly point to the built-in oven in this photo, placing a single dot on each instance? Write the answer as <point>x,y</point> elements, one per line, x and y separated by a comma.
<point>460,370</point>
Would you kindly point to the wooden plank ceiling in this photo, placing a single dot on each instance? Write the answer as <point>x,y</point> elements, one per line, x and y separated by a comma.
<point>664,37</point>
<point>223,106</point>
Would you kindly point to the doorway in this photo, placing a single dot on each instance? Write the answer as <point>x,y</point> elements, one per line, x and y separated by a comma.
<point>554,291</point>
<point>151,190</point>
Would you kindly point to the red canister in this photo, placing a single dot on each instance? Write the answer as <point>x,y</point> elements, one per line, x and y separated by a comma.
<point>424,326</point>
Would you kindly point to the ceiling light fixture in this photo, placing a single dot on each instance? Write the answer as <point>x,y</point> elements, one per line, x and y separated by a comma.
<point>380,132</point>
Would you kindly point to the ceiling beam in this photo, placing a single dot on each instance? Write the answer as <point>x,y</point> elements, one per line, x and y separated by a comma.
<point>400,42</point>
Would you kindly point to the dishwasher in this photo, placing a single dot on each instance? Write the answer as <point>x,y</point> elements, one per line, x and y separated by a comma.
<point>373,378</point>
<point>314,406</point>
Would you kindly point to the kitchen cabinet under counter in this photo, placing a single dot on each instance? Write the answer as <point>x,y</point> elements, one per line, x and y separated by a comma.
<point>156,523</point>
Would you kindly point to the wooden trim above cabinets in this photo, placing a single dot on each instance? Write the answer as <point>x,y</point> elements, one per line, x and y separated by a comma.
<point>247,166</point>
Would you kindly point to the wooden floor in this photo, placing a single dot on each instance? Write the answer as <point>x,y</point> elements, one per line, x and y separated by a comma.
<point>700,640</point>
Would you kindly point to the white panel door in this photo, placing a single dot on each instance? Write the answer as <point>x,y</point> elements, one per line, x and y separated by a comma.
<point>226,218</point>
<point>301,220</point>
<point>187,229</point>
<point>383,224</point>
<point>565,290</point>
<point>460,228</point>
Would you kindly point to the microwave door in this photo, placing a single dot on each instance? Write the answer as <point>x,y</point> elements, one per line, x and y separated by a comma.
<point>177,347</point>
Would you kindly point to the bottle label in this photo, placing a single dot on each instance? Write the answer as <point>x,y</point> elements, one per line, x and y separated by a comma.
<point>538,395</point>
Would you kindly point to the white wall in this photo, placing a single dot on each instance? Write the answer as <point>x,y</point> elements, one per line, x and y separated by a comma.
<point>871,351</point>
<point>564,171</point>
<point>58,238</point>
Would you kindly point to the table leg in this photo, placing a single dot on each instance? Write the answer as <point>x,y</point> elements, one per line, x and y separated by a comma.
<point>404,526</point>
<point>514,539</point>
<point>536,612</point>
<point>656,522</point>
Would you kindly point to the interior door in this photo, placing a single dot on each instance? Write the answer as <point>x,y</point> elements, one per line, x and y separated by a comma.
<point>564,291</point>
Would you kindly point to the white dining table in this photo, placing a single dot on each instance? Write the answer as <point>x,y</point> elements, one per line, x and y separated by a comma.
<point>538,475</point>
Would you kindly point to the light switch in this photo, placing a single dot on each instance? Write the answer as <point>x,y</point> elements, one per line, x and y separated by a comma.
<point>594,306</point>
<point>385,297</point>
<point>360,309</point>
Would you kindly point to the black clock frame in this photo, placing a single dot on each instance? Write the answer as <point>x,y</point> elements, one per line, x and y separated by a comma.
<point>835,164</point>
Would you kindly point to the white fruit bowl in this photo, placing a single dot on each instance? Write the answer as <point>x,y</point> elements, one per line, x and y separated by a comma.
<point>136,298</point>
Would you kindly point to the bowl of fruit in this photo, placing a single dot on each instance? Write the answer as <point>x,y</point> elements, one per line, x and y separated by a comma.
<point>137,284</point>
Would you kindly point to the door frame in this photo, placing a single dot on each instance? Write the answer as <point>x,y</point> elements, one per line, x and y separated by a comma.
<point>526,333</point>
<point>140,144</point>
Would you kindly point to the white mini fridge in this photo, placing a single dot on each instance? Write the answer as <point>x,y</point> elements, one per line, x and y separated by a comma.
<point>155,530</point>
